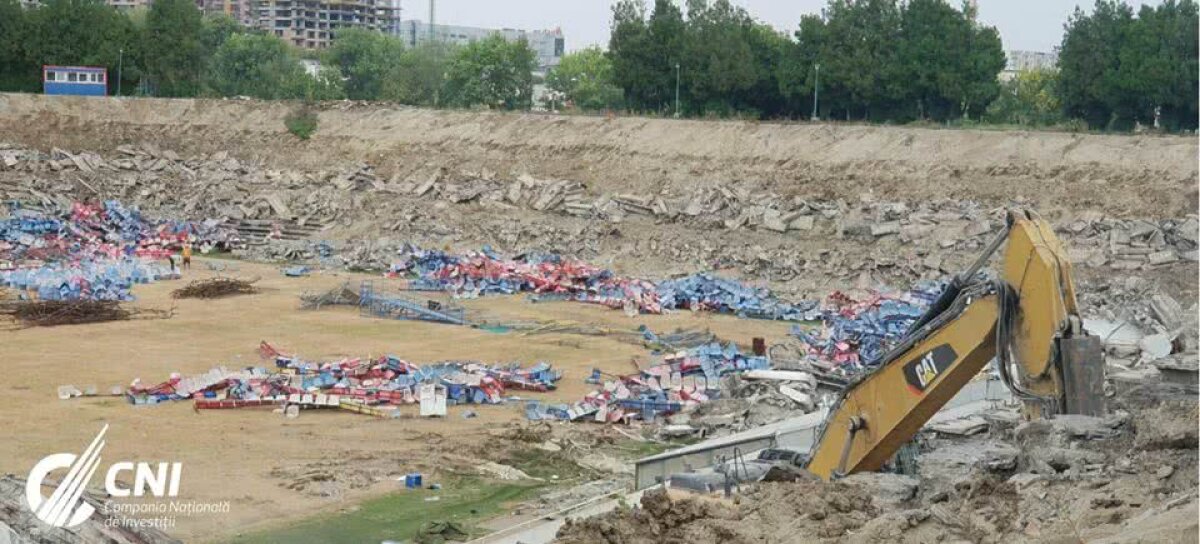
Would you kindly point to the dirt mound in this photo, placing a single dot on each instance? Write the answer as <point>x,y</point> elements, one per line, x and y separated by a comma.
<point>1170,425</point>
<point>1155,176</point>
<point>659,520</point>
<point>768,512</point>
<point>819,509</point>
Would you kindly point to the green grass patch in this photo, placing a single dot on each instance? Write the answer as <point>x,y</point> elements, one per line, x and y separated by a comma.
<point>544,464</point>
<point>635,450</point>
<point>397,516</point>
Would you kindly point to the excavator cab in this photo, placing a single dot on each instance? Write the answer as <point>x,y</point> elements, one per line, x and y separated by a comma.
<point>1025,320</point>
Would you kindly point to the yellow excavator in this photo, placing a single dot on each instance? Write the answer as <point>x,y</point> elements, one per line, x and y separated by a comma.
<point>1026,320</point>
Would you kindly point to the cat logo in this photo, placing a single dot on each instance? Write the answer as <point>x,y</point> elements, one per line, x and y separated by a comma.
<point>922,371</point>
<point>926,370</point>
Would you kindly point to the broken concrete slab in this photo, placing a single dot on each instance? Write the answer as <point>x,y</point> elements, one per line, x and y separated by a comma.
<point>966,426</point>
<point>804,222</point>
<point>884,229</point>
<point>1162,257</point>
<point>886,488</point>
<point>1121,338</point>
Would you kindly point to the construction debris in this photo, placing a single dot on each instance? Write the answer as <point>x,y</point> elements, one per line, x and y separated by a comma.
<point>49,313</point>
<point>377,303</point>
<point>552,277</point>
<point>856,333</point>
<point>369,386</point>
<point>342,295</point>
<point>681,379</point>
<point>92,251</point>
<point>215,288</point>
<point>277,213</point>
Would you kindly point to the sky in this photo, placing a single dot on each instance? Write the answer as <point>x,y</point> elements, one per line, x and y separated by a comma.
<point>1035,25</point>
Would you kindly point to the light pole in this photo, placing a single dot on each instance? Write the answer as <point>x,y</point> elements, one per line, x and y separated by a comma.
<point>816,91</point>
<point>120,65</point>
<point>676,90</point>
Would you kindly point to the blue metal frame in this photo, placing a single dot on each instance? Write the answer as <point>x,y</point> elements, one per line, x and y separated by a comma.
<point>90,80</point>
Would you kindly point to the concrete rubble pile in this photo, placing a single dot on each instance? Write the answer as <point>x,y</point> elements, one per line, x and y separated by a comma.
<point>92,251</point>
<point>1146,331</point>
<point>374,386</point>
<point>682,379</point>
<point>915,239</point>
<point>748,400</point>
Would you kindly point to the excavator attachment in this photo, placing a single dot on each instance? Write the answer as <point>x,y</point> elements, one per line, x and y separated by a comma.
<point>1083,379</point>
<point>1026,322</point>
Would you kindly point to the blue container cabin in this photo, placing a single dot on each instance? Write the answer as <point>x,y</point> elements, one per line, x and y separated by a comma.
<point>75,80</point>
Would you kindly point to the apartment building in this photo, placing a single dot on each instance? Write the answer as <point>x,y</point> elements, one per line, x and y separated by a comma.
<point>241,11</point>
<point>311,24</point>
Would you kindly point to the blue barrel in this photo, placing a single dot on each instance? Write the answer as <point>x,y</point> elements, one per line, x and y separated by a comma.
<point>413,480</point>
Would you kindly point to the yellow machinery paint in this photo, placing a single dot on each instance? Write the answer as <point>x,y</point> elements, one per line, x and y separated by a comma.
<point>880,412</point>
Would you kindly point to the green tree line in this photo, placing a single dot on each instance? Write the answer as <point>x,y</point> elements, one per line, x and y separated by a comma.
<point>861,60</point>
<point>876,60</point>
<point>172,49</point>
<point>1118,69</point>
<point>891,61</point>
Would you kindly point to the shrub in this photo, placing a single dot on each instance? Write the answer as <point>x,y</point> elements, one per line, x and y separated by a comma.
<point>301,123</point>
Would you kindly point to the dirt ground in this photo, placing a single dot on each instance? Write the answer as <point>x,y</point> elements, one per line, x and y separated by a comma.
<point>1048,170</point>
<point>232,455</point>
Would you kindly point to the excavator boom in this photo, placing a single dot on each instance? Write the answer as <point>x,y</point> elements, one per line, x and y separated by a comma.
<point>1026,321</point>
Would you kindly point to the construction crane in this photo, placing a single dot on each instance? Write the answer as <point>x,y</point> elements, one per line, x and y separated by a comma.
<point>1027,320</point>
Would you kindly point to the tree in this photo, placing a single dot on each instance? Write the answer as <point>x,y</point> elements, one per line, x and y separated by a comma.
<point>720,64</point>
<point>419,76</point>
<point>797,69</point>
<point>365,58</point>
<point>977,85</point>
<point>931,32</point>
<point>859,60</point>
<point>257,66</point>
<point>1118,70</point>
<point>1157,65</point>
<point>767,48</point>
<point>15,73</point>
<point>585,77</point>
<point>644,53</point>
<point>1088,61</point>
<point>326,84</point>
<point>172,54</point>
<point>215,29</point>
<point>76,32</point>
<point>665,43</point>
<point>626,46</point>
<point>493,72</point>
<point>1030,98</point>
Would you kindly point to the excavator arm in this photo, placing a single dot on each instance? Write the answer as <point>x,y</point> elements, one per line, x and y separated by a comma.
<point>1026,321</point>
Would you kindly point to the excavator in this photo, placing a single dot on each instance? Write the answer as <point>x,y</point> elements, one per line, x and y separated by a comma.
<point>1026,320</point>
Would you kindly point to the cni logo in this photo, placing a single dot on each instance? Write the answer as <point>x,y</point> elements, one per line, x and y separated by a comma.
<point>65,507</point>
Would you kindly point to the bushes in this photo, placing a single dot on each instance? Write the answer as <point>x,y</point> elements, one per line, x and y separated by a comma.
<point>301,123</point>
